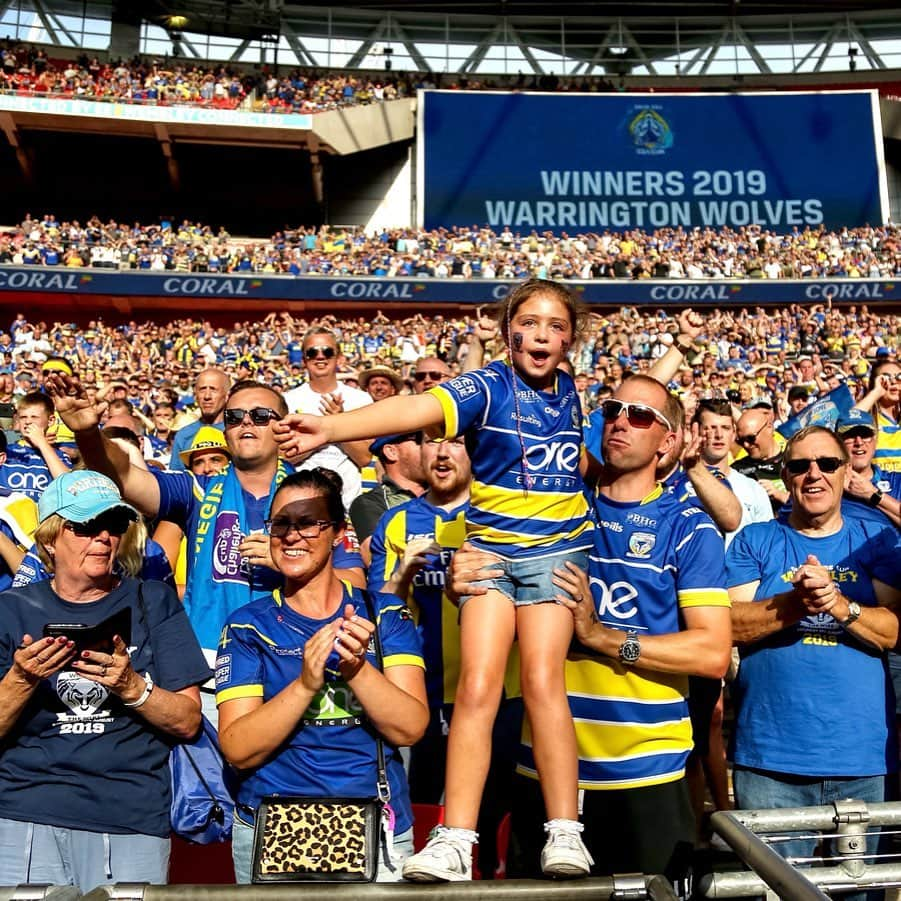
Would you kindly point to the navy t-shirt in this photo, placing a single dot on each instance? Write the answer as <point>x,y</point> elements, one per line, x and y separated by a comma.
<point>76,757</point>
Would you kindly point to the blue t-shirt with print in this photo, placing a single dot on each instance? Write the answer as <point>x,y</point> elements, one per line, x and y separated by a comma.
<point>811,699</point>
<point>77,757</point>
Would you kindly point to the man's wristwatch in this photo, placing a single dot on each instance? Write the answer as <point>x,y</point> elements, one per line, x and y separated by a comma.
<point>853,614</point>
<point>630,649</point>
<point>684,347</point>
<point>875,498</point>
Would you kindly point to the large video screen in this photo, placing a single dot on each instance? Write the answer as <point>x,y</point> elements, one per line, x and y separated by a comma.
<point>585,163</point>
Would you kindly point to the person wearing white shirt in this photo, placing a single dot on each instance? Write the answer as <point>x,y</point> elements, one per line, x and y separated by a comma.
<point>323,395</point>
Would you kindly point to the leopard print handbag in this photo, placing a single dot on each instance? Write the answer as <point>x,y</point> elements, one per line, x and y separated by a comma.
<point>316,839</point>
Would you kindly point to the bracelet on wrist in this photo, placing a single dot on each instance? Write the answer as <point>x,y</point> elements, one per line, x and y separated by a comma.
<point>684,347</point>
<point>142,700</point>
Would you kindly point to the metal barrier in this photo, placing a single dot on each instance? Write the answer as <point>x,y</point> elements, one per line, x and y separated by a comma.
<point>628,887</point>
<point>848,867</point>
<point>39,892</point>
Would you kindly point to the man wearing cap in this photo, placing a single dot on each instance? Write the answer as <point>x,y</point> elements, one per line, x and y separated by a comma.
<point>324,395</point>
<point>210,392</point>
<point>208,453</point>
<point>403,480</point>
<point>871,492</point>
<point>381,382</point>
<point>56,364</point>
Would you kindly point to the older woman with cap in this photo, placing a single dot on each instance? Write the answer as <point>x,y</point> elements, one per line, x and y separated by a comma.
<point>100,674</point>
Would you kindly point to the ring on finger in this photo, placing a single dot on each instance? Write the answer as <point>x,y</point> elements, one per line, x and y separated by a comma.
<point>103,670</point>
<point>360,653</point>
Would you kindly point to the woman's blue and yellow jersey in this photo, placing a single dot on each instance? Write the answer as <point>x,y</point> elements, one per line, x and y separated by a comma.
<point>888,443</point>
<point>332,753</point>
<point>437,618</point>
<point>651,560</point>
<point>527,497</point>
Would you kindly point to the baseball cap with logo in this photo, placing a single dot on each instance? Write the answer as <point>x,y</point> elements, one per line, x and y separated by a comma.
<point>82,495</point>
<point>855,419</point>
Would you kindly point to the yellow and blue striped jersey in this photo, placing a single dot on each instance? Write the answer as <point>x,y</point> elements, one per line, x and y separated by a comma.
<point>888,443</point>
<point>650,561</point>
<point>527,497</point>
<point>437,618</point>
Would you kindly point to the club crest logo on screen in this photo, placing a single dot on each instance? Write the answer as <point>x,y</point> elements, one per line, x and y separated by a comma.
<point>650,132</point>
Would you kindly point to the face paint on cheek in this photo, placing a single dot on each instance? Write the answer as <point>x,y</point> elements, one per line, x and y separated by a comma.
<point>517,341</point>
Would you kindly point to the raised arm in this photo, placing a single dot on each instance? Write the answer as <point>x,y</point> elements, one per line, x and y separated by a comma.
<point>691,325</point>
<point>299,434</point>
<point>137,485</point>
<point>716,497</point>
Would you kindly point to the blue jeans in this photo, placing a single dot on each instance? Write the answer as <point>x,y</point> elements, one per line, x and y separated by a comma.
<point>31,852</point>
<point>528,580</point>
<point>756,789</point>
<point>388,870</point>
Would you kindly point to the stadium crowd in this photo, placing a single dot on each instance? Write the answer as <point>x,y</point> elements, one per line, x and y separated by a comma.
<point>682,415</point>
<point>27,70</point>
<point>460,252</point>
<point>744,352</point>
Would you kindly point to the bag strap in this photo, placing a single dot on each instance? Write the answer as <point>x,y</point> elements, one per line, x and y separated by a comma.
<point>383,786</point>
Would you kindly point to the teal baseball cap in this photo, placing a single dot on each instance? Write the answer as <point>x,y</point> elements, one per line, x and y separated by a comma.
<point>82,495</point>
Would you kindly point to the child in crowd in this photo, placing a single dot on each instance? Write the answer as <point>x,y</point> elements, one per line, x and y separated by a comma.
<point>522,422</point>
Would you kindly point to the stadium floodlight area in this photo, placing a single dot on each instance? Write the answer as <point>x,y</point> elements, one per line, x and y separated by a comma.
<point>837,38</point>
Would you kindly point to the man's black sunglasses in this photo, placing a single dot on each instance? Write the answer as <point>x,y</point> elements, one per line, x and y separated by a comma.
<point>258,415</point>
<point>800,465</point>
<point>319,350</point>
<point>749,439</point>
<point>426,374</point>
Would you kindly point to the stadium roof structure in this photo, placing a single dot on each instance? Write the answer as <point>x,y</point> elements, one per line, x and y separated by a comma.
<point>601,37</point>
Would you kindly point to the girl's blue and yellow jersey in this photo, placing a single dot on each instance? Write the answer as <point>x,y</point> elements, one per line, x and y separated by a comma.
<point>527,496</point>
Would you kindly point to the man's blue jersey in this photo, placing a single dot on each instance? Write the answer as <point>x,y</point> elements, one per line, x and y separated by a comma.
<point>25,470</point>
<point>651,560</point>
<point>332,753</point>
<point>527,497</point>
<point>437,618</point>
